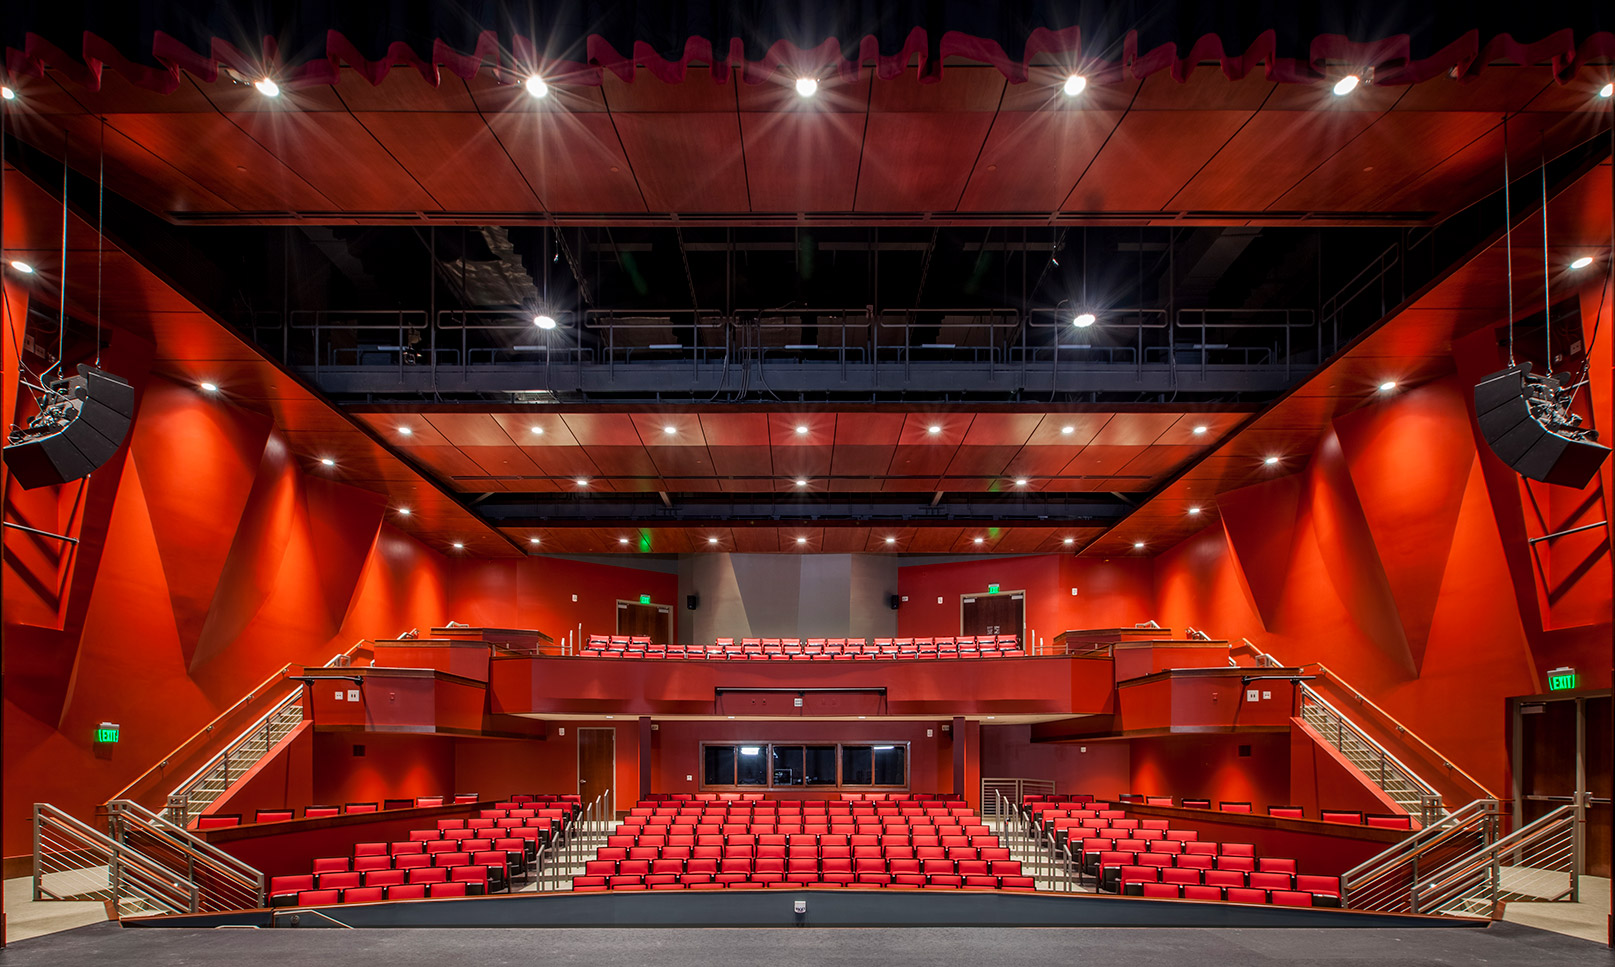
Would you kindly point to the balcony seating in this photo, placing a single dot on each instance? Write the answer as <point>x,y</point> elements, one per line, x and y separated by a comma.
<point>218,821</point>
<point>1343,816</point>
<point>455,858</point>
<point>1286,812</point>
<point>814,649</point>
<point>273,815</point>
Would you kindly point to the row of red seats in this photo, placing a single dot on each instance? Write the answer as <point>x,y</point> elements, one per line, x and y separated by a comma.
<point>1347,817</point>
<point>662,799</point>
<point>221,820</point>
<point>792,649</point>
<point>458,857</point>
<point>596,884</point>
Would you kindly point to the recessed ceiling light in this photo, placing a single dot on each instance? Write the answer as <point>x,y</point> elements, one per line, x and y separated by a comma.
<point>1074,85</point>
<point>267,87</point>
<point>801,483</point>
<point>622,540</point>
<point>807,86</point>
<point>403,511</point>
<point>980,540</point>
<point>536,87</point>
<point>11,95</point>
<point>1582,262</point>
<point>583,481</point>
<point>1020,481</point>
<point>1068,430</point>
<point>1199,430</point>
<point>1070,540</point>
<point>801,428</point>
<point>209,387</point>
<point>801,540</point>
<point>1270,461</point>
<point>544,322</point>
<point>532,540</point>
<point>22,266</point>
<point>670,429</point>
<point>536,431</point>
<point>1347,84</point>
<point>402,431</point>
<point>1387,386</point>
<point>933,428</point>
<point>1193,511</point>
<point>1607,90</point>
<point>327,461</point>
<point>1084,320</point>
<point>891,540</point>
<point>1138,545</point>
<point>459,546</point>
<point>712,540</point>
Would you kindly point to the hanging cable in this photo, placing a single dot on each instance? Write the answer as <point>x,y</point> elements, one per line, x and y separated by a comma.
<point>1609,278</point>
<point>100,234</point>
<point>61,303</point>
<point>1508,243</point>
<point>1547,298</point>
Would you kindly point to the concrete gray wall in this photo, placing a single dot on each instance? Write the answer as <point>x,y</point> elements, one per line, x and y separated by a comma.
<point>787,596</point>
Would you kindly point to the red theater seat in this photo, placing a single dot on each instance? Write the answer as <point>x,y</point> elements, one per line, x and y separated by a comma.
<point>1238,894</point>
<point>364,894</point>
<point>316,898</point>
<point>273,815</point>
<point>1389,820</point>
<point>1290,898</point>
<point>1286,812</point>
<point>218,820</point>
<point>1202,893</point>
<point>1345,817</point>
<point>321,812</point>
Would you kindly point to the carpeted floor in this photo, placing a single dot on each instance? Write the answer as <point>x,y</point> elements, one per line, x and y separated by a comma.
<point>106,944</point>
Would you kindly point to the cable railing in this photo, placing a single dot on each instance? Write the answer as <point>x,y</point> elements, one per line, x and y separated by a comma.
<point>74,862</point>
<point>566,852</point>
<point>1012,791</point>
<point>1386,881</point>
<point>219,773</point>
<point>1403,785</point>
<point>221,881</point>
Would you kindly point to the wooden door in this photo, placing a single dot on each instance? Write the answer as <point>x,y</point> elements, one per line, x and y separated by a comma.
<point>1557,742</point>
<point>597,765</point>
<point>653,621</point>
<point>993,614</point>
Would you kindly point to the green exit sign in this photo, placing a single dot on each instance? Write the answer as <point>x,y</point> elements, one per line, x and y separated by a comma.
<point>992,589</point>
<point>644,599</point>
<point>1561,679</point>
<point>106,732</point>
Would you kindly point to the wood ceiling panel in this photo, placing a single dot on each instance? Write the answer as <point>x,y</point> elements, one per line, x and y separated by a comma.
<point>197,339</point>
<point>652,428</point>
<point>1385,160</point>
<point>921,460</point>
<point>602,429</point>
<point>334,153</point>
<point>802,461</point>
<point>507,461</point>
<point>1040,461</point>
<point>622,461</point>
<point>860,460</point>
<point>918,162</point>
<point>404,89</point>
<point>564,462</point>
<point>1157,460</point>
<point>1149,157</point>
<point>212,152</point>
<point>852,485</point>
<point>573,161</point>
<point>1001,429</point>
<point>686,162</point>
<point>1203,88</point>
<point>697,92</point>
<point>959,88</point>
<point>911,484</point>
<point>800,162</point>
<point>1099,461</point>
<point>735,429</point>
<point>681,461</point>
<point>866,429</point>
<point>951,429</point>
<point>519,427</point>
<point>445,462</point>
<point>1217,426</point>
<point>1271,153</point>
<point>740,461</point>
<point>933,540</point>
<point>750,485</point>
<point>1030,161</point>
<point>421,433</point>
<point>889,538</point>
<point>440,150</point>
<point>494,95</point>
<point>1499,89</point>
<point>1084,426</point>
<point>844,540</point>
<point>469,429</point>
<point>1134,429</point>
<point>985,461</point>
<point>756,540</point>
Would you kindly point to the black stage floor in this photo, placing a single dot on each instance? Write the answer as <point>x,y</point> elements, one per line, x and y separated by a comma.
<point>108,944</point>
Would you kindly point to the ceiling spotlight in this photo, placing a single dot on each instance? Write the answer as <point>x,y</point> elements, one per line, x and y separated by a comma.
<point>622,540</point>
<point>1020,481</point>
<point>11,95</point>
<point>801,483</point>
<point>536,87</point>
<point>1070,540</point>
<point>22,266</point>
<point>801,540</point>
<point>1582,262</point>
<point>403,511</point>
<point>459,546</point>
<point>544,322</point>
<point>1199,430</point>
<point>801,428</point>
<point>1194,511</point>
<point>1347,84</point>
<point>268,88</point>
<point>1387,386</point>
<point>536,431</point>
<point>891,540</point>
<point>1074,85</point>
<point>583,481</point>
<point>1067,430</point>
<point>933,428</point>
<point>327,462</point>
<point>209,387</point>
<point>712,540</point>
<point>532,540</point>
<point>405,431</point>
<point>670,429</point>
<point>1138,545</point>
<point>1084,320</point>
<point>807,86</point>
<point>1607,90</point>
<point>1271,461</point>
<point>980,540</point>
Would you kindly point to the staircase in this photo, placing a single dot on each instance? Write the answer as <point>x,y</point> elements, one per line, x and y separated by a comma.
<point>1401,784</point>
<point>218,774</point>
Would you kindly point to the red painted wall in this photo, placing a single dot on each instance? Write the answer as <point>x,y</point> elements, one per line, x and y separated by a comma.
<point>394,766</point>
<point>281,779</point>
<point>1097,768</point>
<point>1110,593</point>
<point>1205,766</point>
<point>1321,778</point>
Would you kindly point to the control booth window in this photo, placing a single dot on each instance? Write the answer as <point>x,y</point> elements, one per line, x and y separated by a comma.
<point>781,766</point>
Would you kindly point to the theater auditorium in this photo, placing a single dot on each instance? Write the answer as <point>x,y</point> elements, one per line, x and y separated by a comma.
<point>683,483</point>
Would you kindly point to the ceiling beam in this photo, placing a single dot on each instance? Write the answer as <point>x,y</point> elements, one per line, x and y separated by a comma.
<point>528,510</point>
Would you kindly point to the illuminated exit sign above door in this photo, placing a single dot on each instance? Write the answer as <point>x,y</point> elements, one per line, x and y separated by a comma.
<point>1561,679</point>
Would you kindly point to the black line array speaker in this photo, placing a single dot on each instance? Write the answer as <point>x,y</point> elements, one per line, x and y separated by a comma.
<point>82,425</point>
<point>1526,424</point>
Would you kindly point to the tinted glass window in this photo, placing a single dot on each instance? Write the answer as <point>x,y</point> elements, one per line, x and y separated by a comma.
<point>720,765</point>
<point>751,765</point>
<point>857,765</point>
<point>889,765</point>
<point>788,765</point>
<point>820,765</point>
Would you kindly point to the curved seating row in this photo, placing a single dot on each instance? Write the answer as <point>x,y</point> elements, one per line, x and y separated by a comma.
<point>813,649</point>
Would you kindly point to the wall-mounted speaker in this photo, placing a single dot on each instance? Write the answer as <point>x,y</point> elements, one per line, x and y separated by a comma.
<point>894,601</point>
<point>1526,421</point>
<point>692,601</point>
<point>82,424</point>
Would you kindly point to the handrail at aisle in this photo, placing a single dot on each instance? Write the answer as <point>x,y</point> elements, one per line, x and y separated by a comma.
<point>1475,790</point>
<point>1385,881</point>
<point>148,788</point>
<point>75,862</point>
<point>226,881</point>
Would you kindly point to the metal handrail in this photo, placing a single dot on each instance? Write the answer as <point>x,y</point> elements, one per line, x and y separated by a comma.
<point>130,818</point>
<point>1430,805</point>
<point>180,799</point>
<point>65,846</point>
<point>1556,830</point>
<point>1388,881</point>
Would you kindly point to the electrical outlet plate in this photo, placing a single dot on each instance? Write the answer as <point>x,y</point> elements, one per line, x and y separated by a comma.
<point>1252,695</point>
<point>353,694</point>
